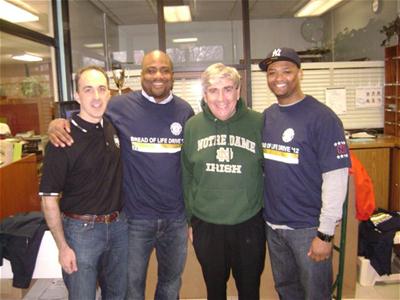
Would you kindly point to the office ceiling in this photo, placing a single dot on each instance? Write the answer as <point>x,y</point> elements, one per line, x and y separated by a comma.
<point>12,45</point>
<point>131,12</point>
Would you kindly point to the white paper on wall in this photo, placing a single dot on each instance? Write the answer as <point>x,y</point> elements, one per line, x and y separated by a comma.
<point>369,96</point>
<point>336,99</point>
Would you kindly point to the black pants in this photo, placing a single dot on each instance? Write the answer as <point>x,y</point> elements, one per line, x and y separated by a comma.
<point>222,248</point>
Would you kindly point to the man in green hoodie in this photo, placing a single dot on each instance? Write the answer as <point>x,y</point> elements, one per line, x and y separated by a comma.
<point>222,176</point>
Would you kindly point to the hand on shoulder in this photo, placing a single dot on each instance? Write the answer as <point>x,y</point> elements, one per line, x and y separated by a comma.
<point>59,133</point>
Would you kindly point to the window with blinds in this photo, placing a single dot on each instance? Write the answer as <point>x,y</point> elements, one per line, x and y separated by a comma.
<point>317,78</point>
<point>320,76</point>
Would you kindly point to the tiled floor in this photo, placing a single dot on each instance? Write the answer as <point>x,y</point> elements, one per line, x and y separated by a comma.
<point>55,290</point>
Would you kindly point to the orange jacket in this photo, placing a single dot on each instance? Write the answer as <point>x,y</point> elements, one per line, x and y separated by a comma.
<point>365,197</point>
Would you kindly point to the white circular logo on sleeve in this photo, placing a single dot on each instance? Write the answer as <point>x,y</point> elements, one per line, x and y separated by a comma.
<point>176,128</point>
<point>288,135</point>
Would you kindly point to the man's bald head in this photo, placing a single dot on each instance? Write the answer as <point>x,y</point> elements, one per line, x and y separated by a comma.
<point>157,75</point>
<point>156,55</point>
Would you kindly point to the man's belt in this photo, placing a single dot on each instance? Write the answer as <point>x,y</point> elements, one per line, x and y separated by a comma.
<point>94,218</point>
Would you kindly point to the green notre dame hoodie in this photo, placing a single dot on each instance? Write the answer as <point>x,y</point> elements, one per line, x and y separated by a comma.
<point>222,166</point>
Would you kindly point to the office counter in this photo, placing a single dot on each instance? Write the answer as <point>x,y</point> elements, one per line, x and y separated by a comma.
<point>380,158</point>
<point>382,141</point>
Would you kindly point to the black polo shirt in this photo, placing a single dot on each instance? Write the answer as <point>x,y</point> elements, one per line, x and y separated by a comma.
<point>87,175</point>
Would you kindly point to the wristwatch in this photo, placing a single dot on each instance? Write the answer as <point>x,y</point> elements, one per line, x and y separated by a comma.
<point>324,237</point>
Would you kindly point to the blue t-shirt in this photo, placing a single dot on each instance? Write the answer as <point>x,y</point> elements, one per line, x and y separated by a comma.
<point>151,137</point>
<point>300,142</point>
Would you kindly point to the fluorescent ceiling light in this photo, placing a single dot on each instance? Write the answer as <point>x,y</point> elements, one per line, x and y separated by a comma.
<point>316,8</point>
<point>179,13</point>
<point>15,14</point>
<point>185,40</point>
<point>94,45</point>
<point>27,57</point>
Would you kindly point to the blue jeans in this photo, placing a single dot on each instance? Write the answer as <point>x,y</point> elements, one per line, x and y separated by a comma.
<point>296,275</point>
<point>169,239</point>
<point>102,253</point>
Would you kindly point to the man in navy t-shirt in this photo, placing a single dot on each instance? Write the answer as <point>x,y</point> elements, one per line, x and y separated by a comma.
<point>306,163</point>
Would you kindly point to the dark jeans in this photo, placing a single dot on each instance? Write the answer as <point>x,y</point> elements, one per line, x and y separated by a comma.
<point>296,276</point>
<point>102,252</point>
<point>222,248</point>
<point>169,239</point>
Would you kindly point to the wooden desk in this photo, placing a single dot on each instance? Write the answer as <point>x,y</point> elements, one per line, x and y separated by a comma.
<point>375,155</point>
<point>19,187</point>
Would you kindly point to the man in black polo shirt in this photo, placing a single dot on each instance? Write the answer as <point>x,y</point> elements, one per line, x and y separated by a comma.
<point>89,232</point>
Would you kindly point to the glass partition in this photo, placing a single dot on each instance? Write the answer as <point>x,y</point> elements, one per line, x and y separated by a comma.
<point>214,34</point>
<point>27,85</point>
<point>32,14</point>
<point>87,34</point>
<point>129,28</point>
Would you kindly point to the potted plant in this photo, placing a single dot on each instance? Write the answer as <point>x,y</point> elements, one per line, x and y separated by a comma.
<point>31,87</point>
<point>392,30</point>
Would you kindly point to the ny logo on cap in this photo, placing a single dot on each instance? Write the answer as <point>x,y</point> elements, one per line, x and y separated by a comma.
<point>276,52</point>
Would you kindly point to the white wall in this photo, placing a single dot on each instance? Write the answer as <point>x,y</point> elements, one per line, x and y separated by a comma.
<point>265,35</point>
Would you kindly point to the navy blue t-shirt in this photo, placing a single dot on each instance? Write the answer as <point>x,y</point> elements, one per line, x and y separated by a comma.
<point>300,142</point>
<point>151,137</point>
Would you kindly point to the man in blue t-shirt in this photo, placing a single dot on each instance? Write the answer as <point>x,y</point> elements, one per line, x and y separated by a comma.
<point>150,128</point>
<point>306,163</point>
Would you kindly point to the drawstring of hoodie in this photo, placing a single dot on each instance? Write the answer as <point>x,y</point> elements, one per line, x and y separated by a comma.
<point>219,126</point>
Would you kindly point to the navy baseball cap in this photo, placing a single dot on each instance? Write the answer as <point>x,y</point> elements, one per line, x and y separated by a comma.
<point>279,54</point>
